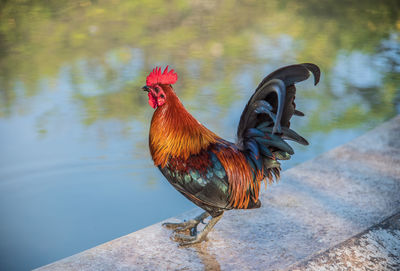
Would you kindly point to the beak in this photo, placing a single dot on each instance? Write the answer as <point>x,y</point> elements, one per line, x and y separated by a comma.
<point>146,88</point>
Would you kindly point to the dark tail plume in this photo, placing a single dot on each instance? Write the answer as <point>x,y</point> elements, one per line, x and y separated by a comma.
<point>265,122</point>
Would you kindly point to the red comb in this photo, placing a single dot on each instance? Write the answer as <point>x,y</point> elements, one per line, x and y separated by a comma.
<point>156,77</point>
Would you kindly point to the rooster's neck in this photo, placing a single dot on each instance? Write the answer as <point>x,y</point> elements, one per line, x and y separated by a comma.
<point>174,132</point>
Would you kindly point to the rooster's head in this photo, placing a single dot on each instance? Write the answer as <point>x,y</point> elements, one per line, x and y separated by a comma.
<point>155,85</point>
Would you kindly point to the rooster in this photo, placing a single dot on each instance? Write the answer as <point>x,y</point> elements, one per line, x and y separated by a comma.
<point>213,173</point>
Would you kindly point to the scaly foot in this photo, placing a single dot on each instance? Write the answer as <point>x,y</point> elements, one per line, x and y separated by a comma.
<point>197,237</point>
<point>190,225</point>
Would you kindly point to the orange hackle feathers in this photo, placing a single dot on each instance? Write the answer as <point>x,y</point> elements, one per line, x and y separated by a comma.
<point>176,133</point>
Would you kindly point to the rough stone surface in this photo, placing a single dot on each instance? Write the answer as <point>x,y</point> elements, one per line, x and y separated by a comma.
<point>375,249</point>
<point>316,206</point>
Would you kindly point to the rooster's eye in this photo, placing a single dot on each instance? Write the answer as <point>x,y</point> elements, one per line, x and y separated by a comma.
<point>162,96</point>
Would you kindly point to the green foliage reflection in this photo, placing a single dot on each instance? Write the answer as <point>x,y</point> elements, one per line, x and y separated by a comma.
<point>210,43</point>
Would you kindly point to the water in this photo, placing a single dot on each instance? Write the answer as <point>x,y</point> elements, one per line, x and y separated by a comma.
<point>75,170</point>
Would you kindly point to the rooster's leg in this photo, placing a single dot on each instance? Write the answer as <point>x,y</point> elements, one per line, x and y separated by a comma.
<point>187,225</point>
<point>198,236</point>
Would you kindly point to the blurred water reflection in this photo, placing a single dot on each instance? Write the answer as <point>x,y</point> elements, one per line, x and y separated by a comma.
<point>74,166</point>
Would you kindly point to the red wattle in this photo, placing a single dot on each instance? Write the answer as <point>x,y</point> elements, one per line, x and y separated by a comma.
<point>152,101</point>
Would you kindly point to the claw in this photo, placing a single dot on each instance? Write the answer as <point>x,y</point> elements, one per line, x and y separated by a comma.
<point>190,225</point>
<point>181,238</point>
<point>185,240</point>
<point>181,227</point>
<point>169,225</point>
<point>195,236</point>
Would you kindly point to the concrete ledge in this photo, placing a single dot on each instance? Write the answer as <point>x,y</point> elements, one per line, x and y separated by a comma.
<point>316,206</point>
<point>377,248</point>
